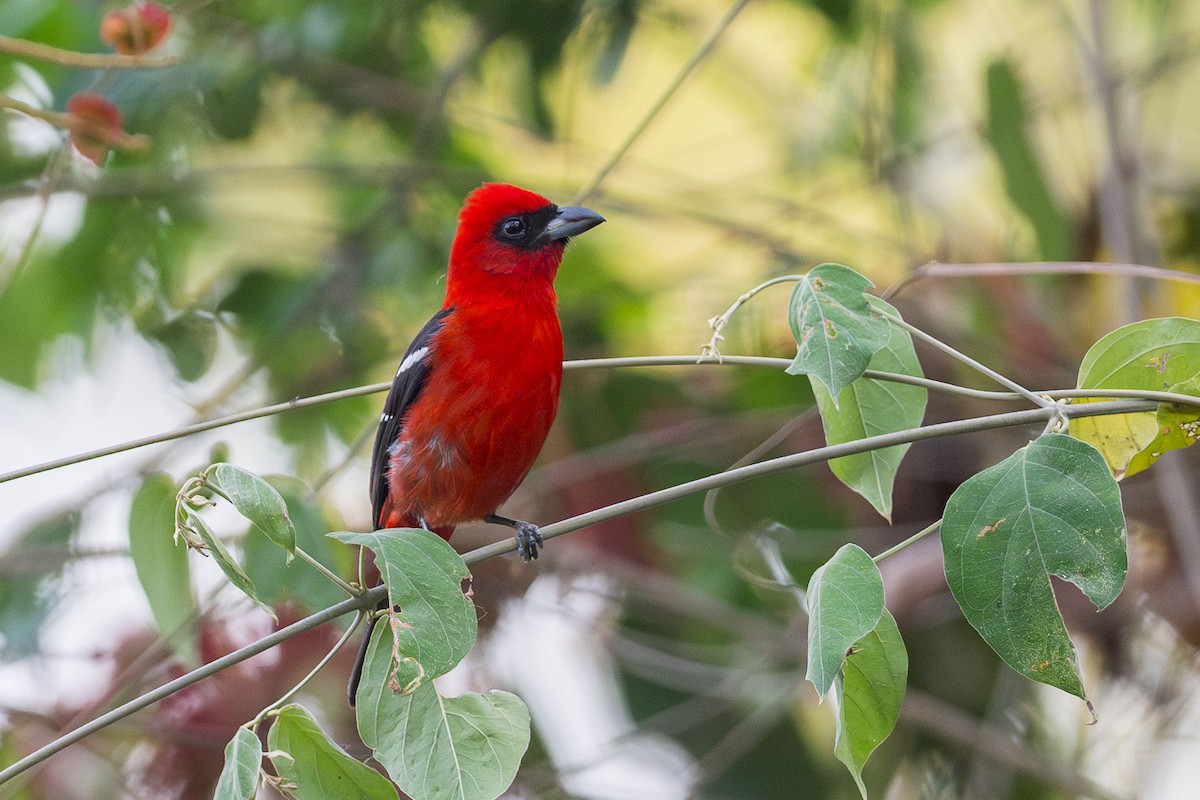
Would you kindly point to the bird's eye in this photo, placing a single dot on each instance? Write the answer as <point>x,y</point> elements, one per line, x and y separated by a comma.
<point>513,228</point>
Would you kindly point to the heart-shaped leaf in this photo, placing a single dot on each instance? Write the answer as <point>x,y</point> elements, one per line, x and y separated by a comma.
<point>1051,508</point>
<point>436,624</point>
<point>441,748</point>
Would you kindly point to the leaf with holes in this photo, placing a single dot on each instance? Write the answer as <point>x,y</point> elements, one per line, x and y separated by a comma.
<point>435,747</point>
<point>257,501</point>
<point>845,601</point>
<point>239,776</point>
<point>869,407</point>
<point>162,566</point>
<point>436,624</point>
<point>315,766</point>
<point>1050,509</point>
<point>835,328</point>
<point>869,691</point>
<point>1178,426</point>
<point>1154,355</point>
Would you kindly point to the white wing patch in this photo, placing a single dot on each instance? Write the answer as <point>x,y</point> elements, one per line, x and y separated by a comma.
<point>413,358</point>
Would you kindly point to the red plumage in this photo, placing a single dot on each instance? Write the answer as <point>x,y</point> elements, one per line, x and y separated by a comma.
<point>477,390</point>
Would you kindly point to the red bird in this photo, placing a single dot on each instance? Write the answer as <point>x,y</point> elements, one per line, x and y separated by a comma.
<point>477,390</point>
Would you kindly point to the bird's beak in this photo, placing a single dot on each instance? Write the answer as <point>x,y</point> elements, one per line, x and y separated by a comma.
<point>570,221</point>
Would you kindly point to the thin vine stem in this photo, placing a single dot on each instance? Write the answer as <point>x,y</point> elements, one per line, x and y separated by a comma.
<point>290,693</point>
<point>718,323</point>
<point>587,363</point>
<point>651,500</point>
<point>910,541</point>
<point>970,362</point>
<point>324,570</point>
<point>697,58</point>
<point>934,270</point>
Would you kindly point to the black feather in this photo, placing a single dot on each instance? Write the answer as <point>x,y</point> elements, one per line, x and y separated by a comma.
<point>405,389</point>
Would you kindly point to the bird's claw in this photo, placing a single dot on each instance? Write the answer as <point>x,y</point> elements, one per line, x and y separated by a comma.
<point>529,539</point>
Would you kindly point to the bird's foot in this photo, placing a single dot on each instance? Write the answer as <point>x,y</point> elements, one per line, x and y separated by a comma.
<point>529,536</point>
<point>529,539</point>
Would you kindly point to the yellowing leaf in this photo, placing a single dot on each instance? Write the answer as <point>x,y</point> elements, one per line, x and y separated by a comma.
<point>1155,355</point>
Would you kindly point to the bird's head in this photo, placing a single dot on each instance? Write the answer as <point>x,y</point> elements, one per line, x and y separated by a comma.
<point>510,239</point>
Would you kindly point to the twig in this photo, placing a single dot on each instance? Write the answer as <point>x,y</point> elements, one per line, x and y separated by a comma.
<point>925,712</point>
<point>718,323</point>
<point>704,51</point>
<point>73,123</point>
<point>70,58</point>
<point>371,597</point>
<point>972,363</point>
<point>290,693</point>
<point>589,363</point>
<point>935,270</point>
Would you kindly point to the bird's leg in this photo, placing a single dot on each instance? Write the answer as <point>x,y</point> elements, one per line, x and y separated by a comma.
<point>529,538</point>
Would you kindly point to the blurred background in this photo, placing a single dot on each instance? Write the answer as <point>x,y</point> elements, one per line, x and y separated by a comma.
<point>285,233</point>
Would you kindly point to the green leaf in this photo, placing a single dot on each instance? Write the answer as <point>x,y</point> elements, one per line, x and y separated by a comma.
<point>434,747</point>
<point>1024,178</point>
<point>1178,425</point>
<point>297,582</point>
<point>869,407</point>
<point>1158,355</point>
<point>162,566</point>
<point>436,625</point>
<point>845,601</point>
<point>257,501</point>
<point>232,569</point>
<point>835,329</point>
<point>239,776</point>
<point>191,343</point>
<point>1051,508</point>
<point>869,691</point>
<point>1155,355</point>
<point>315,766</point>
<point>27,597</point>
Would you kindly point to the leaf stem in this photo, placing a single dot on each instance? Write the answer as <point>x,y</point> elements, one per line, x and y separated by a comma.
<point>916,537</point>
<point>337,648</point>
<point>719,322</point>
<point>324,570</point>
<point>966,359</point>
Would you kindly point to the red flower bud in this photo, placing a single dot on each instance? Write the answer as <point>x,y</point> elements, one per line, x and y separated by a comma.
<point>136,29</point>
<point>95,122</point>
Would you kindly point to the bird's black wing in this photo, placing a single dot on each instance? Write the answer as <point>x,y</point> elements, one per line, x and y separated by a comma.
<point>410,379</point>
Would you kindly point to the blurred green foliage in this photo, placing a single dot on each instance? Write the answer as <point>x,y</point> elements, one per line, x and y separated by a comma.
<point>292,217</point>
